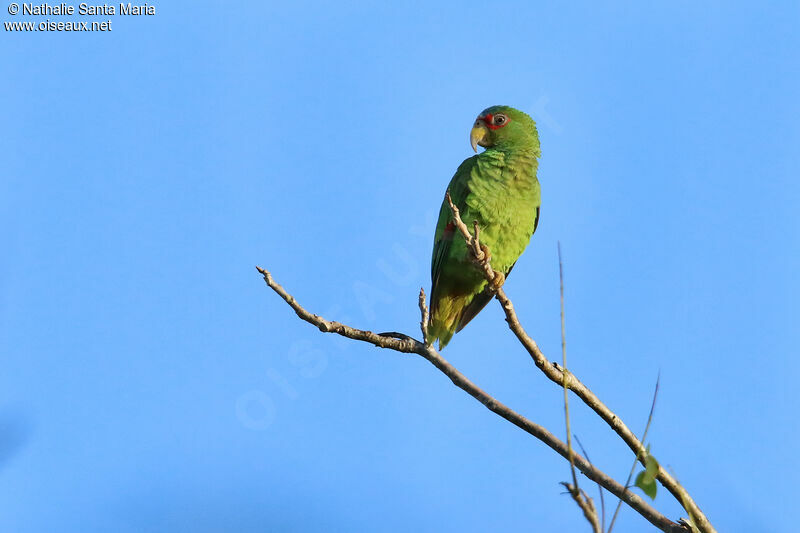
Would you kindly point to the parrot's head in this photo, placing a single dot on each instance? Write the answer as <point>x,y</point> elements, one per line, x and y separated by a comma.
<point>504,128</point>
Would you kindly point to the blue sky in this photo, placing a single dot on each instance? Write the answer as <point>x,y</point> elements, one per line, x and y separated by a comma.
<point>152,383</point>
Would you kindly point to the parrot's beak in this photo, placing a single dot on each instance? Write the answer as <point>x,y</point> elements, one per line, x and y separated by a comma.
<point>478,134</point>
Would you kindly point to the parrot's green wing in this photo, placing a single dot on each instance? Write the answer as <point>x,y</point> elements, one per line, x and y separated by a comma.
<point>445,229</point>
<point>485,296</point>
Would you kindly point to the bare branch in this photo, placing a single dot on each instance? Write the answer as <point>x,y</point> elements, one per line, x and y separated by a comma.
<point>556,375</point>
<point>407,345</point>
<point>410,345</point>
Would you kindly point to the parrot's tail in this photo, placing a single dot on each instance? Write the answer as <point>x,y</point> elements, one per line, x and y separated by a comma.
<point>445,317</point>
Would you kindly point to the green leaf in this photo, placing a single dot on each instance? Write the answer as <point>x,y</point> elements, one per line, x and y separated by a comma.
<point>646,480</point>
<point>651,466</point>
<point>647,484</point>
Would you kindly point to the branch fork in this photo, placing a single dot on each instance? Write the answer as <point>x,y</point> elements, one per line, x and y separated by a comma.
<point>405,344</point>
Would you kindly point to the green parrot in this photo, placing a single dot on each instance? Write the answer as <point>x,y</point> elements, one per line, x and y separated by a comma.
<point>497,188</point>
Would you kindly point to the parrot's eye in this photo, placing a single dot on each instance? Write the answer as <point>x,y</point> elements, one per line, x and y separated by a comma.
<point>499,120</point>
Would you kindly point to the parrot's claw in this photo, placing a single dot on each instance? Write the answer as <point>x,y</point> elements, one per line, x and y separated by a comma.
<point>487,254</point>
<point>498,281</point>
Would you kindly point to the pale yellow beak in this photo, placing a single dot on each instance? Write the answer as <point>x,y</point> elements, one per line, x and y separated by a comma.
<point>477,135</point>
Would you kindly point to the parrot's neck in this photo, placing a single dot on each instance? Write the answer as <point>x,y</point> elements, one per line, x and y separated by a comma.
<point>522,157</point>
<point>521,150</point>
<point>518,146</point>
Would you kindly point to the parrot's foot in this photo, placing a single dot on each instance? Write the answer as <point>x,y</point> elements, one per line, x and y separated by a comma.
<point>487,254</point>
<point>498,281</point>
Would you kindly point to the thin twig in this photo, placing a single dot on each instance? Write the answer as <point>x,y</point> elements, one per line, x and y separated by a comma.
<point>555,374</point>
<point>635,461</point>
<point>586,504</point>
<point>580,497</point>
<point>480,258</point>
<point>423,311</point>
<point>599,487</point>
<point>410,345</point>
<point>564,364</point>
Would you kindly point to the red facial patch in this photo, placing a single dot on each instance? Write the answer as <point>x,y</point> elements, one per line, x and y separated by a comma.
<point>488,119</point>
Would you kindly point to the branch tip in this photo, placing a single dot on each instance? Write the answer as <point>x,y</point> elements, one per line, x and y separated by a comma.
<point>424,316</point>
